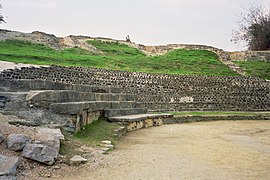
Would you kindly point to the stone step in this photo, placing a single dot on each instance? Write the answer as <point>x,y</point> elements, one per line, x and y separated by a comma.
<point>37,84</point>
<point>44,98</point>
<point>4,89</point>
<point>10,101</point>
<point>89,106</point>
<point>124,111</point>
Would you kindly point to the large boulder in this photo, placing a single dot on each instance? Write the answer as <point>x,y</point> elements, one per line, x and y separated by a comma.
<point>41,153</point>
<point>17,142</point>
<point>8,166</point>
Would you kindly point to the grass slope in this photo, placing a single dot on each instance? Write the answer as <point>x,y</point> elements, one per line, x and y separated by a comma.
<point>90,135</point>
<point>255,68</point>
<point>97,131</point>
<point>116,56</point>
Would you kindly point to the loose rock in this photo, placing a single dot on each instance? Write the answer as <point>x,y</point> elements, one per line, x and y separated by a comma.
<point>76,160</point>
<point>8,166</point>
<point>106,142</point>
<point>40,153</point>
<point>110,146</point>
<point>17,142</point>
<point>105,150</point>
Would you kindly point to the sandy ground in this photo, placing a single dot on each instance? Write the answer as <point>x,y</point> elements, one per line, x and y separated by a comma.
<point>206,150</point>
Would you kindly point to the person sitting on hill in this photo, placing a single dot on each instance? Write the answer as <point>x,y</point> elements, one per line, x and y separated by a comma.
<point>128,38</point>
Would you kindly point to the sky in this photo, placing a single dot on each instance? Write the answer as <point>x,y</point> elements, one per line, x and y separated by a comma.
<point>148,22</point>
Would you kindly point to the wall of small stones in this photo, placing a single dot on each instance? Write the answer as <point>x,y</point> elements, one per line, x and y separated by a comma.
<point>162,49</point>
<point>35,37</point>
<point>162,91</point>
<point>251,56</point>
<point>81,42</point>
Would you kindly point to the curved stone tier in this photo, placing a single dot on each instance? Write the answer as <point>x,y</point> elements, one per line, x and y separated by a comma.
<point>161,91</point>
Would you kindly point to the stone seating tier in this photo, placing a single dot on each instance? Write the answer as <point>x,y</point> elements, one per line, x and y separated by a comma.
<point>156,90</point>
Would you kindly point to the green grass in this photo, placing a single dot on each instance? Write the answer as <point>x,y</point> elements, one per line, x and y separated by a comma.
<point>116,56</point>
<point>100,130</point>
<point>255,68</point>
<point>217,113</point>
<point>90,136</point>
<point>115,48</point>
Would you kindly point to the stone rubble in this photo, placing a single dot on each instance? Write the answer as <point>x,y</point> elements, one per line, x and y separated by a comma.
<point>76,160</point>
<point>107,146</point>
<point>106,142</point>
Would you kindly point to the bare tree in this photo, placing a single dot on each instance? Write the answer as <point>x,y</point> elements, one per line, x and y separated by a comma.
<point>254,28</point>
<point>1,17</point>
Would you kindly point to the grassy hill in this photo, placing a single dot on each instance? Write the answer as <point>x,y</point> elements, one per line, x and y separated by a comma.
<point>255,68</point>
<point>116,56</point>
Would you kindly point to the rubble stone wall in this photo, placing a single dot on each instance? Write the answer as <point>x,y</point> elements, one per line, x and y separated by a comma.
<point>163,49</point>
<point>162,91</point>
<point>251,56</point>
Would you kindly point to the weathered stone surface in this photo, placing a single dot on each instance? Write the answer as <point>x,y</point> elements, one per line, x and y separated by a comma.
<point>8,178</point>
<point>251,55</point>
<point>107,142</point>
<point>1,138</point>
<point>76,160</point>
<point>156,91</point>
<point>8,166</point>
<point>50,137</point>
<point>17,142</point>
<point>105,150</point>
<point>40,153</point>
<point>110,146</point>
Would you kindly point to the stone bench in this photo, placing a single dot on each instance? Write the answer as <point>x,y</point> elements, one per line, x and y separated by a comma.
<point>139,121</point>
<point>44,98</point>
<point>89,106</point>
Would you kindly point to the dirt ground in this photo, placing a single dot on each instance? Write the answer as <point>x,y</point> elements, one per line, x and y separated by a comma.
<point>205,150</point>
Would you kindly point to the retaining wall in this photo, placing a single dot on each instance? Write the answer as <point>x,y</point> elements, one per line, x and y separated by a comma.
<point>161,91</point>
<point>162,49</point>
<point>251,56</point>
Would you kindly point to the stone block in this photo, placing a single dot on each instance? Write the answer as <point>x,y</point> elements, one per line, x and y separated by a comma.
<point>140,125</point>
<point>8,166</point>
<point>41,153</point>
<point>17,142</point>
<point>131,126</point>
<point>157,122</point>
<point>149,123</point>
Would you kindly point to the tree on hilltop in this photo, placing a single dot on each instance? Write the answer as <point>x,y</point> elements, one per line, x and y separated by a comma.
<point>254,28</point>
<point>1,17</point>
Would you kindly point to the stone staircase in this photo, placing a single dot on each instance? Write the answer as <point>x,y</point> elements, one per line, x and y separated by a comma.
<point>234,67</point>
<point>80,105</point>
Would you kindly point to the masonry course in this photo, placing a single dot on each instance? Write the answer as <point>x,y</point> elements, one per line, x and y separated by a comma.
<point>161,91</point>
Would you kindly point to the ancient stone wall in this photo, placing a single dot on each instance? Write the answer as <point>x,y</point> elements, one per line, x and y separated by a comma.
<point>35,37</point>
<point>159,50</point>
<point>162,91</point>
<point>81,42</point>
<point>49,40</point>
<point>251,56</point>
